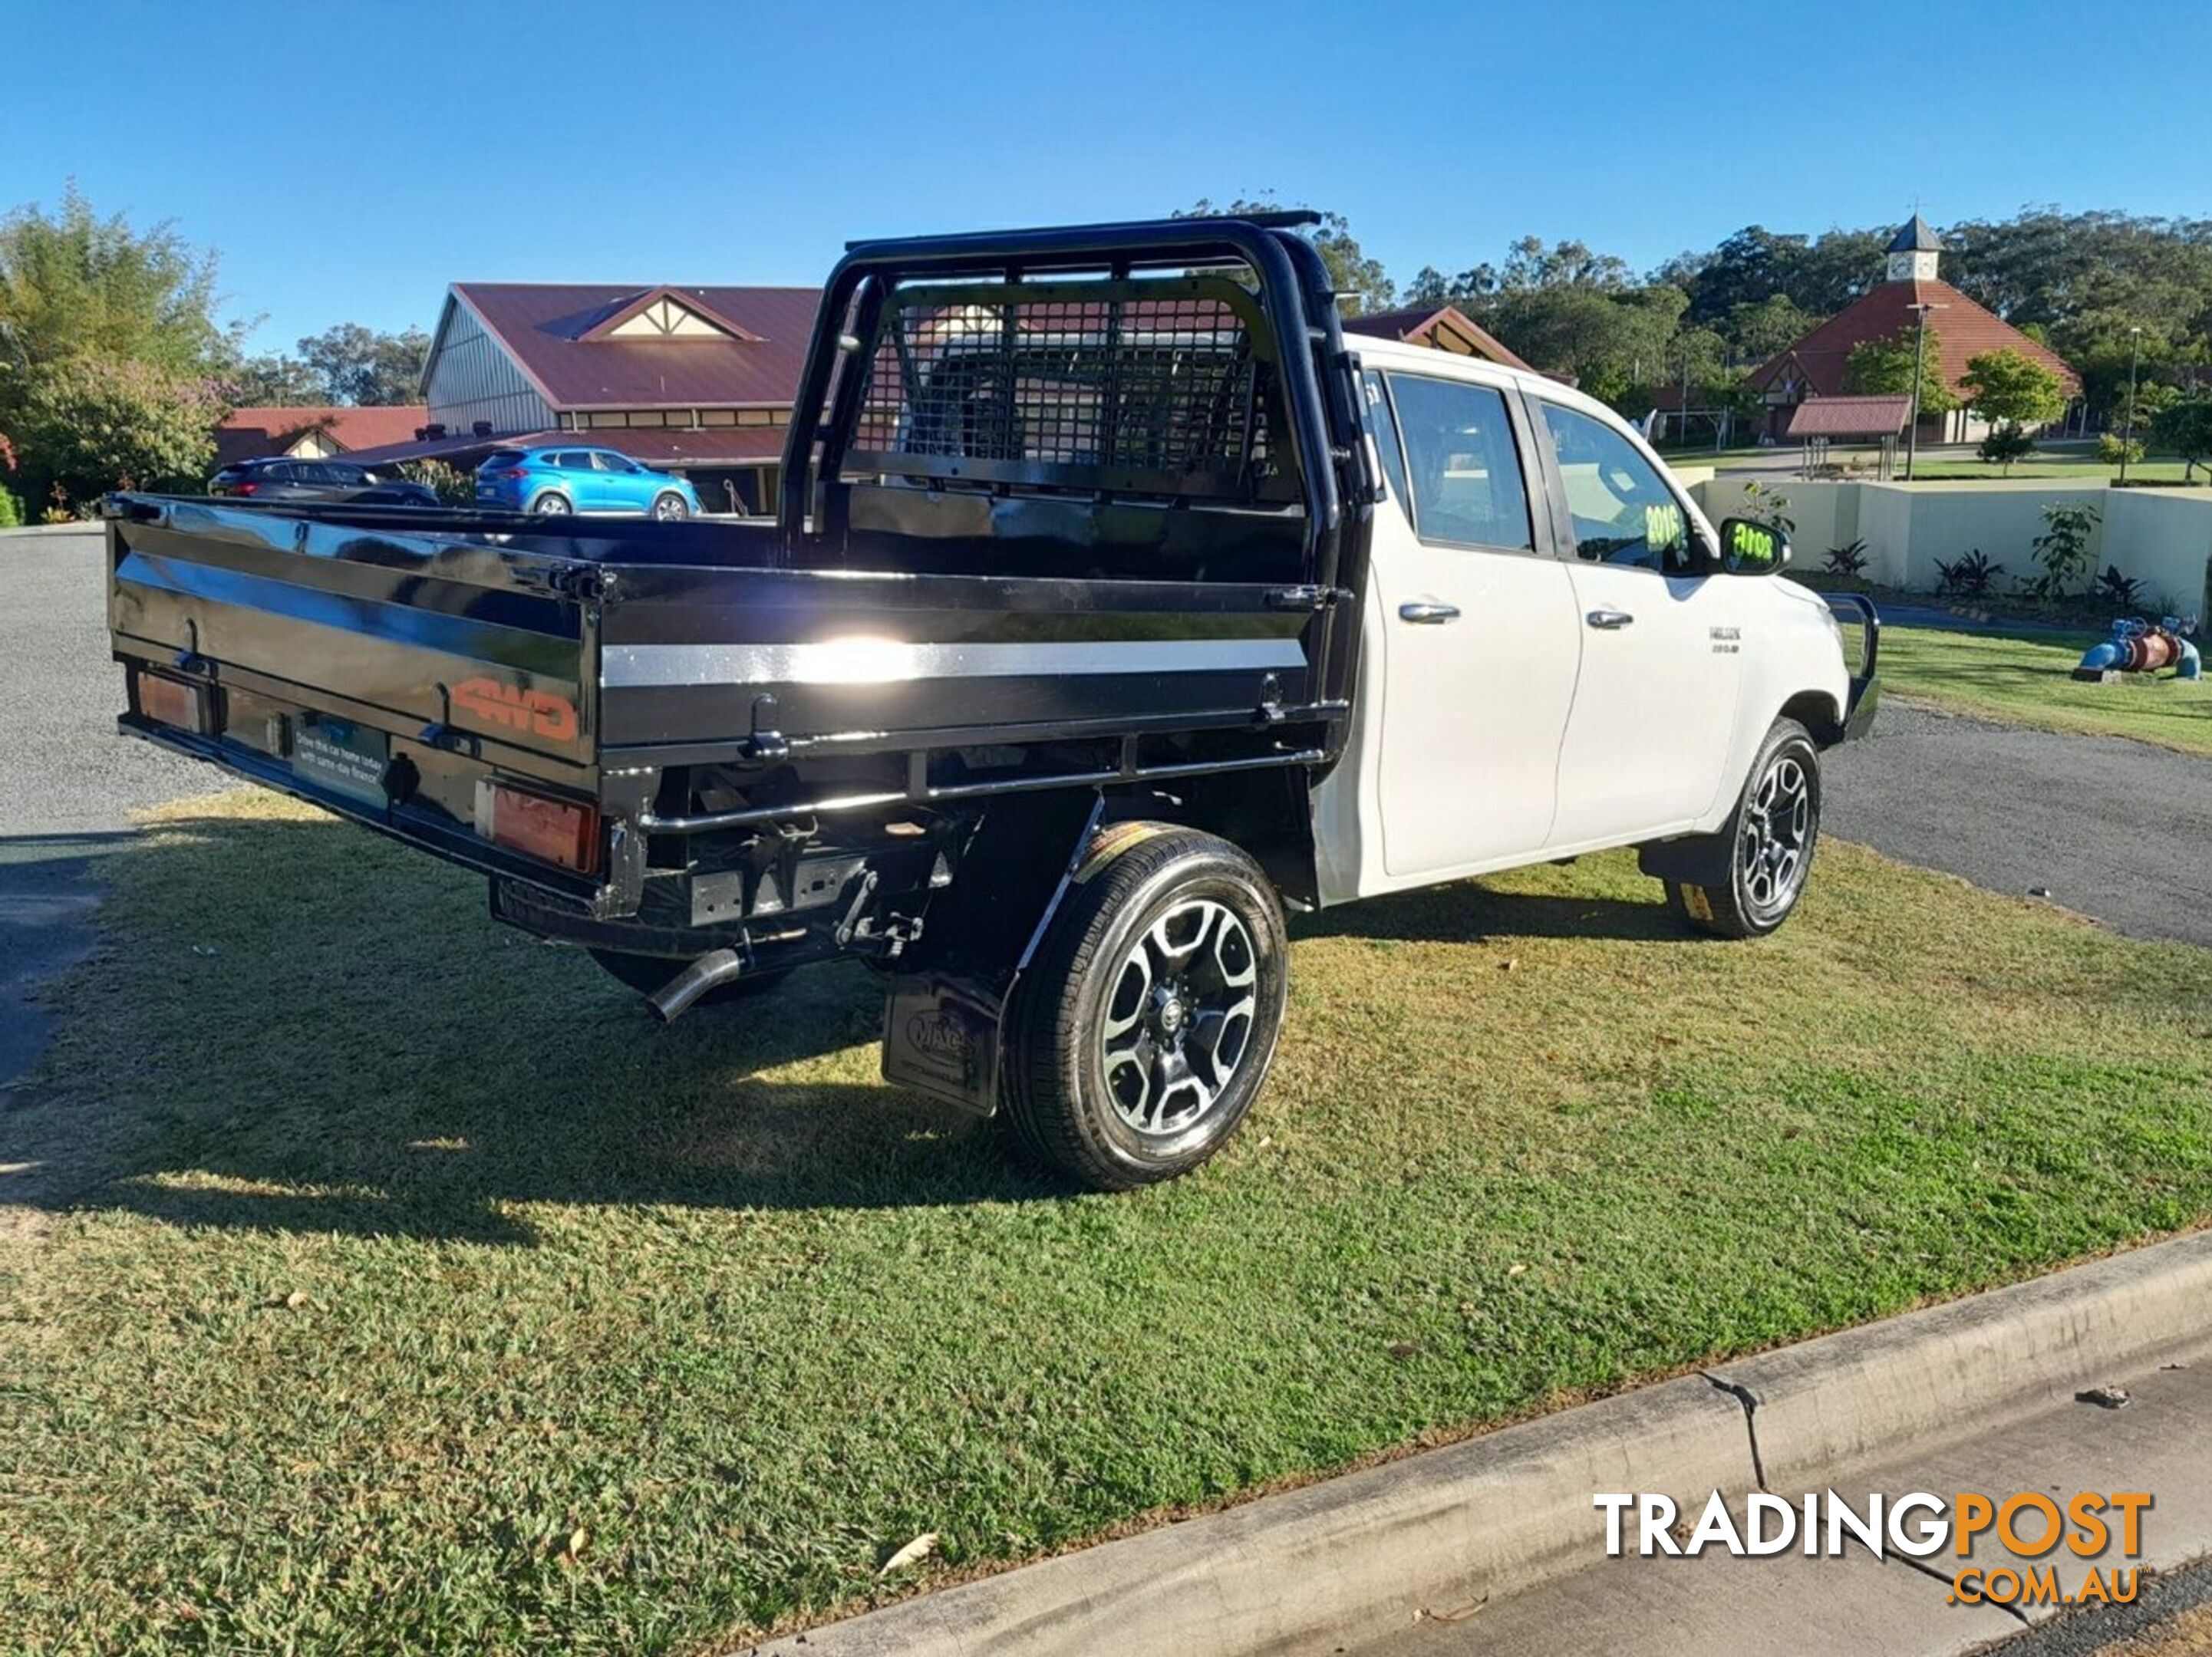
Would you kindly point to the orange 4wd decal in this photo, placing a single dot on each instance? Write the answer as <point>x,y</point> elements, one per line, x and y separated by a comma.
<point>551,717</point>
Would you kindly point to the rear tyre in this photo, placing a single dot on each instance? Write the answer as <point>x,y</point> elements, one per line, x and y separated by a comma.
<point>552,504</point>
<point>1143,1030</point>
<point>1771,836</point>
<point>669,506</point>
<point>647,973</point>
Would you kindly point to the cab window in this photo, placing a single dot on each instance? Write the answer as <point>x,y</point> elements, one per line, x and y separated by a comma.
<point>1463,470</point>
<point>1622,511</point>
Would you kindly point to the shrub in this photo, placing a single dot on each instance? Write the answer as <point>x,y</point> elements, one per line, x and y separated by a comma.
<point>1848,560</point>
<point>11,511</point>
<point>2004,445</point>
<point>2063,550</point>
<point>2125,590</point>
<point>453,487</point>
<point>1969,576</point>
<point>2111,448</point>
<point>1764,504</point>
<point>91,424</point>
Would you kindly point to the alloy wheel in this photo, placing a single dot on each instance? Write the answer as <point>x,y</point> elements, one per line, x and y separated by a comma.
<point>1776,841</point>
<point>1179,1018</point>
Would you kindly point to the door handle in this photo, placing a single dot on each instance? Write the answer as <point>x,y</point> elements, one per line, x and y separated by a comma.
<point>1426,615</point>
<point>1609,619</point>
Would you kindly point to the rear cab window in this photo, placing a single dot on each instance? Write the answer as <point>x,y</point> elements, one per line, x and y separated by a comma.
<point>1461,470</point>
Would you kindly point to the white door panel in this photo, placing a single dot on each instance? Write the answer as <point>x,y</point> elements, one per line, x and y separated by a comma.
<point>1474,706</point>
<point>1656,704</point>
<point>1475,631</point>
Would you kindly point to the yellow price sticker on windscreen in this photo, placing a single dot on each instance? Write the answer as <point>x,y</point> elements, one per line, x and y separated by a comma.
<point>1663,524</point>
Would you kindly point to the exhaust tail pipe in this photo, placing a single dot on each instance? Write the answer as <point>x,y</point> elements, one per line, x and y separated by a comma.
<point>710,971</point>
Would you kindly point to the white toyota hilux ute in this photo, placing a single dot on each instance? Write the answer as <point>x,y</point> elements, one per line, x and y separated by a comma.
<point>1119,599</point>
<point>1555,662</point>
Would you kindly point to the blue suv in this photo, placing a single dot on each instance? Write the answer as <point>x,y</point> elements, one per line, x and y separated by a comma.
<point>555,481</point>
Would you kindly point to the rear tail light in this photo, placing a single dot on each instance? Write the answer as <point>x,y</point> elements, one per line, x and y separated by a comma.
<point>170,701</point>
<point>559,831</point>
<point>244,489</point>
<point>514,471</point>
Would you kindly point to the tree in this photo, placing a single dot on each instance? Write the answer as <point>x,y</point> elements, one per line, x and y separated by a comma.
<point>2185,429</point>
<point>1360,282</point>
<point>2012,392</point>
<point>275,380</point>
<point>2011,388</point>
<point>1756,331</point>
<point>91,424</point>
<point>1884,367</point>
<point>1819,276</point>
<point>1430,287</point>
<point>2152,398</point>
<point>358,365</point>
<point>108,350</point>
<point>74,284</point>
<point>1610,342</point>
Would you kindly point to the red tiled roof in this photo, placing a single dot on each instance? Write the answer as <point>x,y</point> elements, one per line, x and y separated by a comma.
<point>1415,324</point>
<point>251,434</point>
<point>544,326</point>
<point>1961,331</point>
<point>1850,416</point>
<point>712,445</point>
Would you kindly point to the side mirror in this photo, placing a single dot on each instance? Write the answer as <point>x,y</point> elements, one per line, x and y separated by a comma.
<point>1751,548</point>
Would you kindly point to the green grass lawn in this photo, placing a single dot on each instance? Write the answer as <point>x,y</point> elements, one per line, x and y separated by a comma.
<point>2024,680</point>
<point>375,1279</point>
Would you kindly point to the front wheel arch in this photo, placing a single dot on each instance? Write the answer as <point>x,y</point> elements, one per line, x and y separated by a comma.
<point>1818,711</point>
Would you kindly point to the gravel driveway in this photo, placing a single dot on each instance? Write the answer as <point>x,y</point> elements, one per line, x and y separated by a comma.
<point>66,778</point>
<point>67,772</point>
<point>2116,829</point>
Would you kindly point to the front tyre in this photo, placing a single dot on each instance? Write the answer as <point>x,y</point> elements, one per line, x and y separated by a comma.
<point>1770,837</point>
<point>668,506</point>
<point>1144,1028</point>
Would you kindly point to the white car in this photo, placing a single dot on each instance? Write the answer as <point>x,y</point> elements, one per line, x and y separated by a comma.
<point>1116,603</point>
<point>1561,656</point>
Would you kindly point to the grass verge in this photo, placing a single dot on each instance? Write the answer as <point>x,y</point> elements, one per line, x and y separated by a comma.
<point>2023,679</point>
<point>397,1287</point>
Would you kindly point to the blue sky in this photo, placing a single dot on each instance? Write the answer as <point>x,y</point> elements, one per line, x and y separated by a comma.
<point>350,160</point>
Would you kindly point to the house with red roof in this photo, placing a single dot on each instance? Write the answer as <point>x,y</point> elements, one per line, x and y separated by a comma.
<point>1959,330</point>
<point>310,433</point>
<point>1443,327</point>
<point>694,381</point>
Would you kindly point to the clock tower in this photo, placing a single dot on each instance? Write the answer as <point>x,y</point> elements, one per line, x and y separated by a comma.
<point>1913,252</point>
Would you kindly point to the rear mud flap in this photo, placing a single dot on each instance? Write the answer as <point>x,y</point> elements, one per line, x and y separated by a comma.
<point>1691,860</point>
<point>941,1038</point>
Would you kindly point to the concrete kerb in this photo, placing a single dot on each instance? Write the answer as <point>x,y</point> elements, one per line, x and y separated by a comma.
<point>1432,1533</point>
<point>1438,1531</point>
<point>1928,1377</point>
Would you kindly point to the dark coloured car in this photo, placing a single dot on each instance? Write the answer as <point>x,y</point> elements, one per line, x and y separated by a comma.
<point>286,479</point>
